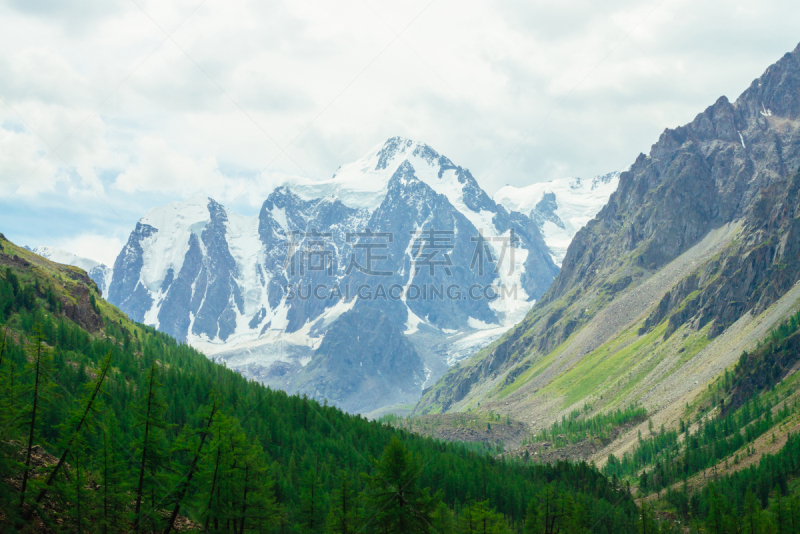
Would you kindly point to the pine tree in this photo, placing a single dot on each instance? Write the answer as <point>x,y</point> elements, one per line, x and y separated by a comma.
<point>480,518</point>
<point>40,367</point>
<point>549,514</point>
<point>113,474</point>
<point>715,522</point>
<point>214,470</point>
<point>8,411</point>
<point>79,500</point>
<point>75,424</point>
<point>647,520</point>
<point>752,514</point>
<point>343,514</point>
<point>150,446</point>
<point>780,514</point>
<point>442,520</point>
<point>532,524</point>
<point>311,503</point>
<point>209,413</point>
<point>396,504</point>
<point>256,502</point>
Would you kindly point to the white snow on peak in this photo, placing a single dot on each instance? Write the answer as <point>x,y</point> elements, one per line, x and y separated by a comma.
<point>362,184</point>
<point>247,250</point>
<point>167,248</point>
<point>578,202</point>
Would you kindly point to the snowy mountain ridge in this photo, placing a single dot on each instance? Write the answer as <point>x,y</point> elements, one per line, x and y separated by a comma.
<point>560,207</point>
<point>236,288</point>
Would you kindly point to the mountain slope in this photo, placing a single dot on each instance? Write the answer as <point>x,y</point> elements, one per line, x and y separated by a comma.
<point>99,272</point>
<point>262,292</point>
<point>692,261</point>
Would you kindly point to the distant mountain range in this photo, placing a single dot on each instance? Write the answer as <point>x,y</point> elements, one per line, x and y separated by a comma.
<point>219,280</point>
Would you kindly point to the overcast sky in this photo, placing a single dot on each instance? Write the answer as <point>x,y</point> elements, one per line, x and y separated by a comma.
<point>112,107</point>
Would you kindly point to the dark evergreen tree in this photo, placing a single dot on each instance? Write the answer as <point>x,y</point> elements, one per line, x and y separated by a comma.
<point>312,506</point>
<point>40,360</point>
<point>395,501</point>
<point>150,449</point>
<point>343,517</point>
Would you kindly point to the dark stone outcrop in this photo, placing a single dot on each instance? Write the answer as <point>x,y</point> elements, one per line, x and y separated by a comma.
<point>126,291</point>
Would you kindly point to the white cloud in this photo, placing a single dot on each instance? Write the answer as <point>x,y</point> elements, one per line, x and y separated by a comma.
<point>95,247</point>
<point>159,168</point>
<point>517,92</point>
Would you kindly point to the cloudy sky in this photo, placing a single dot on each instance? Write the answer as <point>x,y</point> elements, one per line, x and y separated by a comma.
<point>111,107</point>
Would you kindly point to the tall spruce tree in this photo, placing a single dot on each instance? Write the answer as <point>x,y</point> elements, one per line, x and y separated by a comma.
<point>312,514</point>
<point>35,393</point>
<point>395,501</point>
<point>343,516</point>
<point>113,473</point>
<point>193,443</point>
<point>150,448</point>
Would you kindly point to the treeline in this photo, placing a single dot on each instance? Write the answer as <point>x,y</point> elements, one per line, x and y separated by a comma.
<point>754,500</point>
<point>573,428</point>
<point>661,459</point>
<point>146,433</point>
<point>670,461</point>
<point>765,367</point>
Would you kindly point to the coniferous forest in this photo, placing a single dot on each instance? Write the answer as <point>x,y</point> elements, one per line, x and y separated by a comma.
<point>111,426</point>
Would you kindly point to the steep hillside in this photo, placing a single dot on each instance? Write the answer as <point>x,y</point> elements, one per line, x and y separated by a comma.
<point>98,272</point>
<point>110,426</point>
<point>692,261</point>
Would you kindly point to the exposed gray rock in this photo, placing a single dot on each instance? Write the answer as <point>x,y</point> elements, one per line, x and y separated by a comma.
<point>126,290</point>
<point>207,275</point>
<point>734,162</point>
<point>364,363</point>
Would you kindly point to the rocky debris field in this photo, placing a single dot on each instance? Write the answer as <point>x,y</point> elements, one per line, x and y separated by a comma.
<point>486,428</point>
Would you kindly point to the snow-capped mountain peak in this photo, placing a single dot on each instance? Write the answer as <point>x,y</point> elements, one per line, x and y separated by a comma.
<point>237,288</point>
<point>363,183</point>
<point>560,207</point>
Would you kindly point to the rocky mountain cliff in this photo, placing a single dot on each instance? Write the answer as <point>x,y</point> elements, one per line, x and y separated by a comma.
<point>277,295</point>
<point>695,251</point>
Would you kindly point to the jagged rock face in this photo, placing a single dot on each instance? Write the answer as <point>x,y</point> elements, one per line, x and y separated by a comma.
<point>749,276</point>
<point>735,162</point>
<point>126,290</point>
<point>697,177</point>
<point>219,280</point>
<point>366,362</point>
